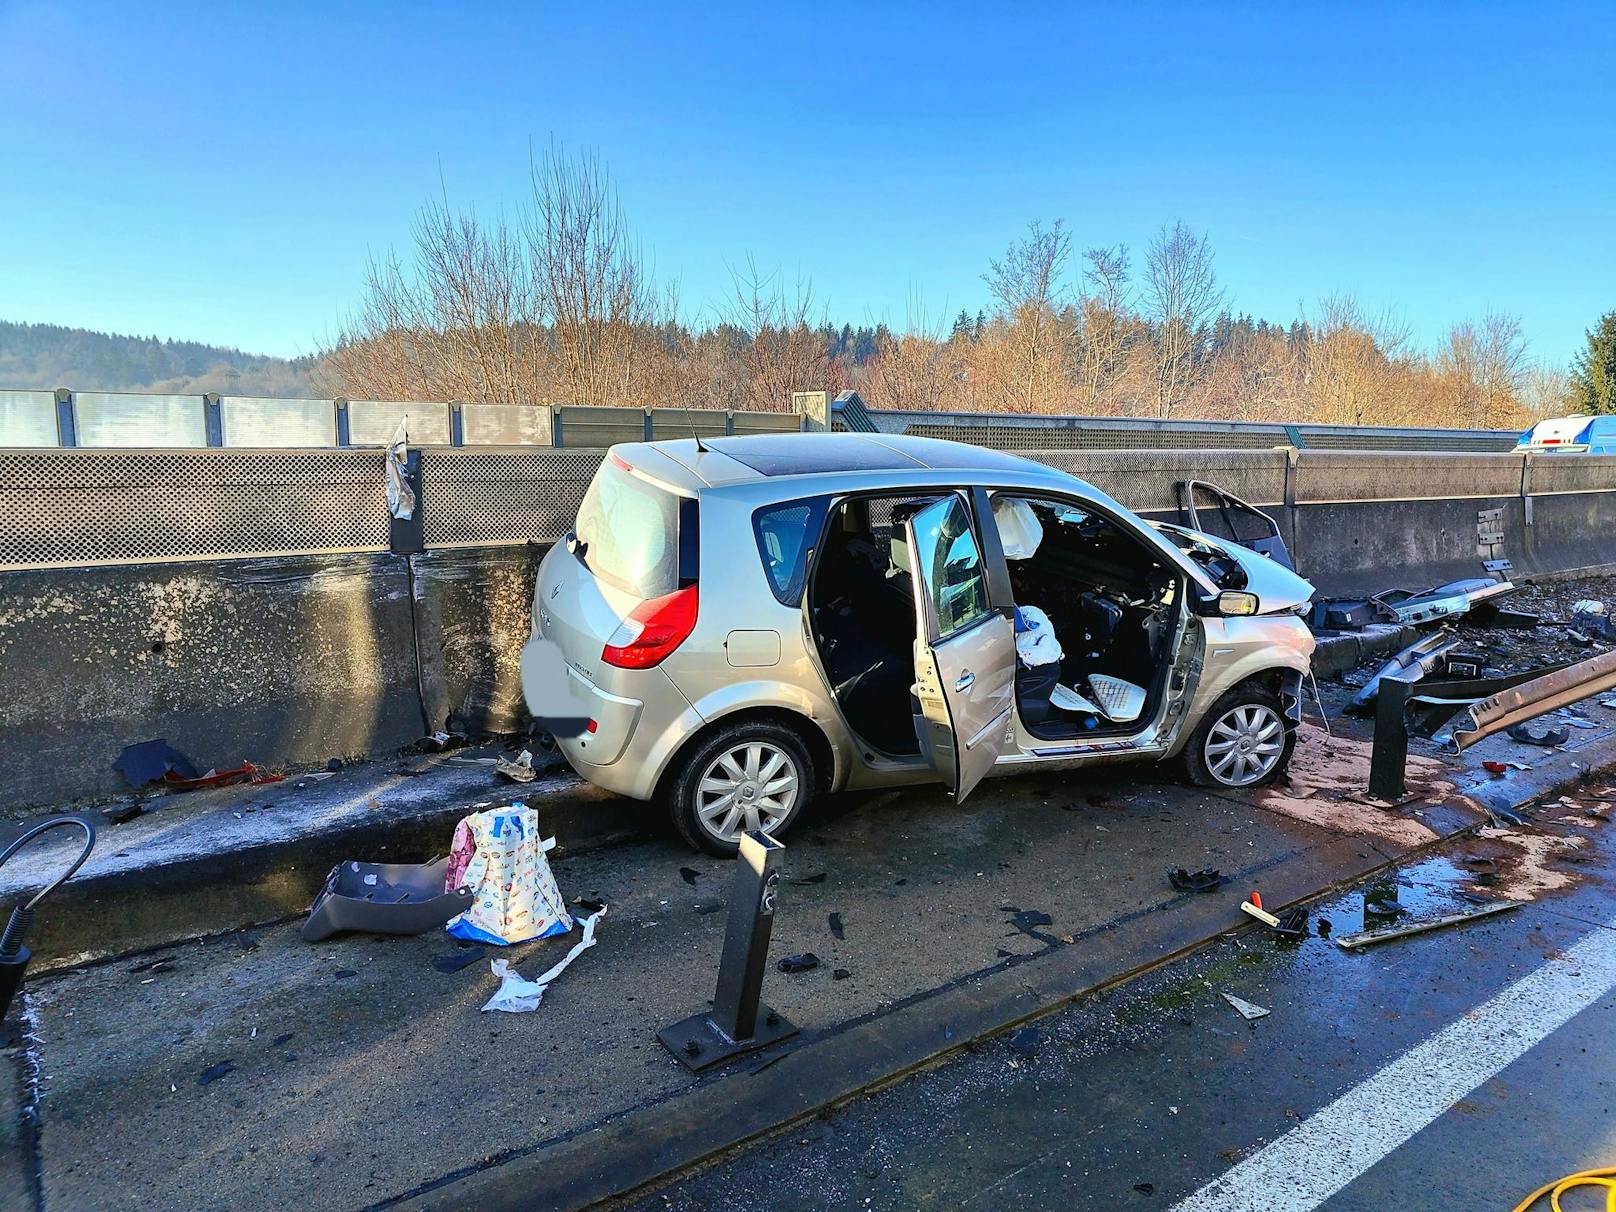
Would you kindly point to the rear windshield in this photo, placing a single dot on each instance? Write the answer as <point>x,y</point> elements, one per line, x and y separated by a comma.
<point>628,531</point>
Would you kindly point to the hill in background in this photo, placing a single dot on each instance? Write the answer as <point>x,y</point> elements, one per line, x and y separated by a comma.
<point>49,355</point>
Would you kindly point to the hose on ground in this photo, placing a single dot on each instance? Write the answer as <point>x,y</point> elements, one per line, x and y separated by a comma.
<point>22,915</point>
<point>1605,1177</point>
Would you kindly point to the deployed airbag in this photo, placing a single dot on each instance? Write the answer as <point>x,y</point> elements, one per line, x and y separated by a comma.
<point>1020,531</point>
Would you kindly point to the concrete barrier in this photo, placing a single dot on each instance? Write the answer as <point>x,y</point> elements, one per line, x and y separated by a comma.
<point>297,658</point>
<point>292,659</point>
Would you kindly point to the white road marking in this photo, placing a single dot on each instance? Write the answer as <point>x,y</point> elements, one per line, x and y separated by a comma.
<point>1300,1170</point>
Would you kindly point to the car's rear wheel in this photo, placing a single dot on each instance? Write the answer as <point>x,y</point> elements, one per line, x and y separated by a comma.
<point>745,776</point>
<point>1243,741</point>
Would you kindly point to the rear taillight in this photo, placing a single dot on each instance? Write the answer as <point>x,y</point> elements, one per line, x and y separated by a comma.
<point>654,629</point>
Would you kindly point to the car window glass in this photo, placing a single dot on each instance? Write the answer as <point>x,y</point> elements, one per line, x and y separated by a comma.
<point>784,534</point>
<point>629,530</point>
<point>950,564</point>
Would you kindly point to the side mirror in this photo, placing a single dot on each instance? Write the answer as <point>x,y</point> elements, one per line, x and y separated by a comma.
<point>1236,602</point>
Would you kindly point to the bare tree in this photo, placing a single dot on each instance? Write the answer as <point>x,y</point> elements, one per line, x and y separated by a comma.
<point>1351,362</point>
<point>784,351</point>
<point>1106,322</point>
<point>1181,296</point>
<point>917,369</point>
<point>588,277</point>
<point>1029,285</point>
<point>1483,365</point>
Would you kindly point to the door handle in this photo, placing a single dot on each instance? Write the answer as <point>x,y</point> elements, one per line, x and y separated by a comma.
<point>965,681</point>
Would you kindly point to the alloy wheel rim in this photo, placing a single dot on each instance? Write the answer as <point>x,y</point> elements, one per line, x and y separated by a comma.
<point>753,785</point>
<point>1244,745</point>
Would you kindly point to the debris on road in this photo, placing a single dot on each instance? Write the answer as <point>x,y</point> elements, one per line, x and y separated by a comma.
<point>840,974</point>
<point>817,877</point>
<point>456,961</point>
<point>791,964</point>
<point>1207,879</point>
<point>214,1072</point>
<point>517,995</point>
<point>1249,1011</point>
<point>1368,938</point>
<point>1549,738</point>
<point>1026,1041</point>
<point>690,875</point>
<point>836,928</point>
<point>519,770</point>
<point>152,761</point>
<point>384,898</point>
<point>1258,912</point>
<point>499,855</point>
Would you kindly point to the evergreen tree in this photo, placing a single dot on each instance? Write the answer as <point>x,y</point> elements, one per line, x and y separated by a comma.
<point>1593,372</point>
<point>962,327</point>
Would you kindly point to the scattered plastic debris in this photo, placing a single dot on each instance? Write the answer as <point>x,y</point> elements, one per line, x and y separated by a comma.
<point>150,762</point>
<point>1206,880</point>
<point>836,928</point>
<point>214,1072</point>
<point>1492,767</point>
<point>839,974</point>
<point>806,962</point>
<point>1549,738</point>
<point>517,995</point>
<point>690,875</point>
<point>817,877</point>
<point>519,770</point>
<point>1249,1011</point>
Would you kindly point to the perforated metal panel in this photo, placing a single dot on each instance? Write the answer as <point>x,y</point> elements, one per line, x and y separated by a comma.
<point>69,507</point>
<point>509,495</point>
<point>1013,437</point>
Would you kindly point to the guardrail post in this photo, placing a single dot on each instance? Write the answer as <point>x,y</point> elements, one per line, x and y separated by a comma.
<point>212,419</point>
<point>67,428</point>
<point>738,1023</point>
<point>1388,760</point>
<point>344,437</point>
<point>457,431</point>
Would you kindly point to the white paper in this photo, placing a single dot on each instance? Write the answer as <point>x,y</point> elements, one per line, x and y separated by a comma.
<point>518,995</point>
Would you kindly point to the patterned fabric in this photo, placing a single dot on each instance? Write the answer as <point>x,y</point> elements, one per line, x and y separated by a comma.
<point>516,894</point>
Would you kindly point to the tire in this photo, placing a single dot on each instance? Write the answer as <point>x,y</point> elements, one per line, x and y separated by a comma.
<point>740,755</point>
<point>1229,747</point>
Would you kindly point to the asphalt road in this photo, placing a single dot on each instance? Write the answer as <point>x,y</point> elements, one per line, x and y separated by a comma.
<point>1458,1069</point>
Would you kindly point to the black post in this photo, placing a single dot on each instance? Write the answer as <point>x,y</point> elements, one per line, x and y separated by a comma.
<point>407,536</point>
<point>1389,757</point>
<point>732,1028</point>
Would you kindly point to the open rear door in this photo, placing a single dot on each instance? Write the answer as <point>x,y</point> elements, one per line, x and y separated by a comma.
<point>965,649</point>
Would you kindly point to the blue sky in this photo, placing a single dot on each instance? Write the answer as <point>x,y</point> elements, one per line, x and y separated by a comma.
<point>222,172</point>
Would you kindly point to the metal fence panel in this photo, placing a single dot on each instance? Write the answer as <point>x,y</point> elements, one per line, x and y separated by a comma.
<point>582,425</point>
<point>374,422</point>
<point>505,425</point>
<point>28,418</point>
<point>112,418</point>
<point>748,422</point>
<point>683,423</point>
<point>260,421</point>
<point>73,507</point>
<point>503,495</point>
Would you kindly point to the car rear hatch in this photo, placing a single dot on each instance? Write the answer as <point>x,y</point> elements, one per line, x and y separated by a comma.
<point>620,593</point>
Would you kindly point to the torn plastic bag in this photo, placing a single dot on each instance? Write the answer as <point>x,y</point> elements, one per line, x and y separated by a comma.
<point>518,995</point>
<point>400,496</point>
<point>1035,638</point>
<point>499,855</point>
<point>1020,531</point>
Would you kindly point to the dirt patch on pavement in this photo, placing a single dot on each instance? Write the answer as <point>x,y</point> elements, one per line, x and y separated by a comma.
<point>1526,874</point>
<point>1327,772</point>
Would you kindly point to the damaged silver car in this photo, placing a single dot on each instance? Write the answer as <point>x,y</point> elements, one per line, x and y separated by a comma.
<point>751,622</point>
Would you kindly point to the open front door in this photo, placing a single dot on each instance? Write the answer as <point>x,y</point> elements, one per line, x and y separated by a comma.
<point>965,650</point>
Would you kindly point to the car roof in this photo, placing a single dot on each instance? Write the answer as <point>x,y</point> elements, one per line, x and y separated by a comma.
<point>720,461</point>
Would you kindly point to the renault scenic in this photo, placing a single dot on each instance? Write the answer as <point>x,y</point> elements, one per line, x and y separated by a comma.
<point>748,623</point>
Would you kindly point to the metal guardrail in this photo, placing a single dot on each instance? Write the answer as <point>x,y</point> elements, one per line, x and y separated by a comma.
<point>1016,432</point>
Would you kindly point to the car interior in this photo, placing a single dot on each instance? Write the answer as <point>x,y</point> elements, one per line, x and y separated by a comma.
<point>1110,604</point>
<point>1105,602</point>
<point>862,608</point>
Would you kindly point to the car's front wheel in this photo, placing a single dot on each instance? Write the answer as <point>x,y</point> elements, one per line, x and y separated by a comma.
<point>1243,741</point>
<point>747,776</point>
